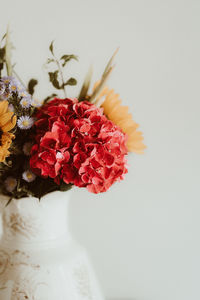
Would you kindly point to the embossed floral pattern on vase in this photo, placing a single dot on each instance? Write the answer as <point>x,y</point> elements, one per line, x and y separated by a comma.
<point>17,224</point>
<point>82,279</point>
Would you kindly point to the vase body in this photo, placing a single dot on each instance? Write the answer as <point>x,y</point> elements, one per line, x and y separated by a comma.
<point>39,259</point>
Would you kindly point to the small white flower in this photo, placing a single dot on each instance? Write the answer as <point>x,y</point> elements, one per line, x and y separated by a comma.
<point>10,184</point>
<point>24,94</point>
<point>20,87</point>
<point>27,148</point>
<point>28,176</point>
<point>25,102</point>
<point>12,87</point>
<point>25,122</point>
<point>7,79</point>
<point>5,95</point>
<point>36,103</point>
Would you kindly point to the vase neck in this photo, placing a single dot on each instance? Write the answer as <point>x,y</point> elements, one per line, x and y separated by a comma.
<point>30,220</point>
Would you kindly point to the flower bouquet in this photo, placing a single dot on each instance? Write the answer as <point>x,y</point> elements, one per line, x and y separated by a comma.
<point>48,146</point>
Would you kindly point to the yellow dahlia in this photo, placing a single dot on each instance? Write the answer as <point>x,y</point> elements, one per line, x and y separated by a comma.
<point>120,116</point>
<point>7,122</point>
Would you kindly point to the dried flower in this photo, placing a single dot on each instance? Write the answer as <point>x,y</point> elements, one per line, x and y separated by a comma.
<point>10,184</point>
<point>27,148</point>
<point>25,102</point>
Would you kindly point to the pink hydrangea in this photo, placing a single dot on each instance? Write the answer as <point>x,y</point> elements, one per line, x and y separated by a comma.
<point>76,143</point>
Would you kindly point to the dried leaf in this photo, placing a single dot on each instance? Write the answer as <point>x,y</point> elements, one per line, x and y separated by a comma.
<point>8,48</point>
<point>101,85</point>
<point>2,58</point>
<point>86,85</point>
<point>9,201</point>
<point>104,79</point>
<point>3,37</point>
<point>110,62</point>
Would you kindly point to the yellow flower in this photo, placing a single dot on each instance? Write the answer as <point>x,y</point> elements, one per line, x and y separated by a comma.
<point>7,122</point>
<point>120,116</point>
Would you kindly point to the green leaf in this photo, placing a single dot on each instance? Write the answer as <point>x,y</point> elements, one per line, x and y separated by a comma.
<point>2,58</point>
<point>41,187</point>
<point>71,81</point>
<point>1,68</point>
<point>2,54</point>
<point>51,47</point>
<point>50,60</point>
<point>66,58</point>
<point>65,187</point>
<point>31,85</point>
<point>53,77</point>
<point>49,98</point>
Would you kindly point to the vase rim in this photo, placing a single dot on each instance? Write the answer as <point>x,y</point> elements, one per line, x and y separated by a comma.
<point>43,199</point>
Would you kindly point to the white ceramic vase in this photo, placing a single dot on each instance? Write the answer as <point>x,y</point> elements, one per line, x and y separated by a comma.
<point>39,260</point>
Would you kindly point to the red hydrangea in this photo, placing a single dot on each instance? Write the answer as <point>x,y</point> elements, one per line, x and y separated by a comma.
<point>76,143</point>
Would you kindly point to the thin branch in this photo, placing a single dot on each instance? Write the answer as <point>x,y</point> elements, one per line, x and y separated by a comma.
<point>86,85</point>
<point>8,47</point>
<point>15,73</point>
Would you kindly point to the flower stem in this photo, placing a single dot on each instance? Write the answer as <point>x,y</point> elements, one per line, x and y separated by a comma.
<point>62,78</point>
<point>15,73</point>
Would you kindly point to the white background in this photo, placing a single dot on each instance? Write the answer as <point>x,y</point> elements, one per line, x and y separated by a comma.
<point>143,235</point>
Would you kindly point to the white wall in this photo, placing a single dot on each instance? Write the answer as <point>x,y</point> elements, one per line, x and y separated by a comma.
<point>143,235</point>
